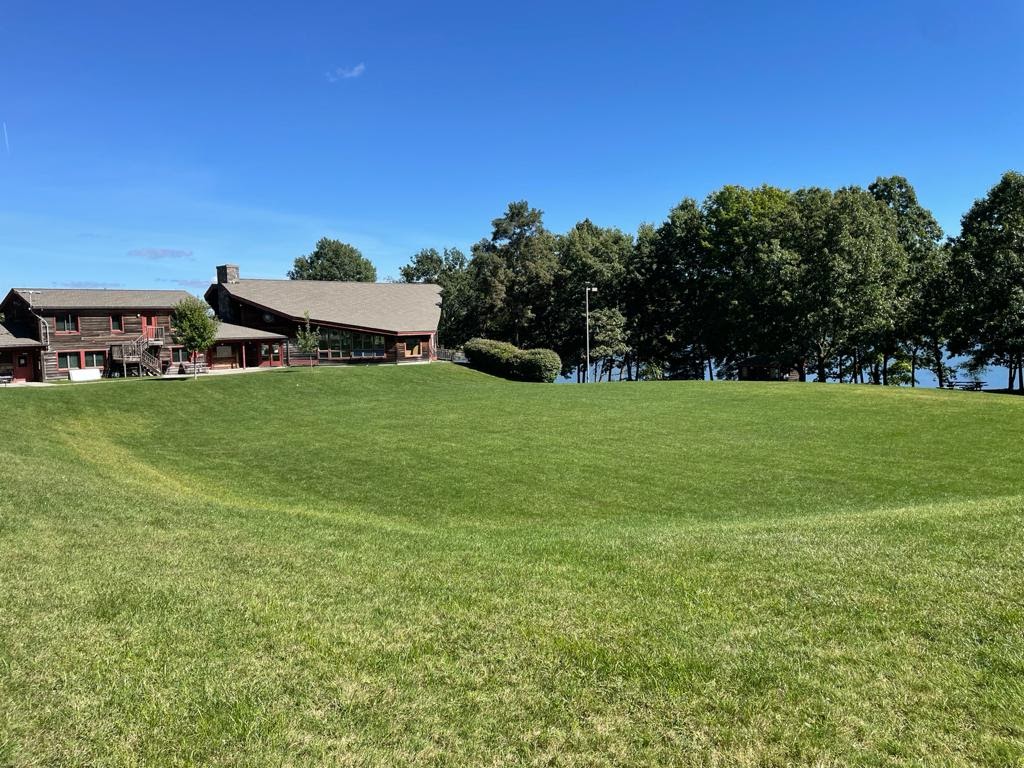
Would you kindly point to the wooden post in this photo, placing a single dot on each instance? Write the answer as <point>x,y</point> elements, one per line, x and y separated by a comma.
<point>243,354</point>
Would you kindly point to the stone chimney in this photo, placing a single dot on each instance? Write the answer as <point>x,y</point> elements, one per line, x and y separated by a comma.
<point>227,273</point>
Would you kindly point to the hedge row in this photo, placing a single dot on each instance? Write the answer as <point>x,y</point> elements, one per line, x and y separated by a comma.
<point>509,361</point>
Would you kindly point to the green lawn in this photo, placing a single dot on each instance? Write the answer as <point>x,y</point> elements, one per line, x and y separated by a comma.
<point>424,565</point>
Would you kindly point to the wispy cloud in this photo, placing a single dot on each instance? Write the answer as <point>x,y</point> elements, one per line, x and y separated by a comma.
<point>346,73</point>
<point>7,143</point>
<point>87,284</point>
<point>185,283</point>
<point>160,254</point>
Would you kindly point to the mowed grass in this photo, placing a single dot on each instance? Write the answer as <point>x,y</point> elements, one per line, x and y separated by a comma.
<point>429,566</point>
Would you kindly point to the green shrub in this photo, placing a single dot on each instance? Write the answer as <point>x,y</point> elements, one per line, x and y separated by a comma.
<point>539,365</point>
<point>508,361</point>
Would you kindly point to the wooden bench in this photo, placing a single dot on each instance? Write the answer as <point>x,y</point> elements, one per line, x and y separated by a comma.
<point>5,379</point>
<point>193,369</point>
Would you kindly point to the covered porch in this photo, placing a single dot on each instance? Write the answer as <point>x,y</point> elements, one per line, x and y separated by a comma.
<point>239,347</point>
<point>19,357</point>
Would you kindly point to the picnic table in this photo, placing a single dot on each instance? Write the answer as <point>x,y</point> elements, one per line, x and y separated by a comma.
<point>967,386</point>
<point>6,379</point>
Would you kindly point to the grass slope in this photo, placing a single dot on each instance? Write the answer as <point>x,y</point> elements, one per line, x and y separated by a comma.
<point>379,566</point>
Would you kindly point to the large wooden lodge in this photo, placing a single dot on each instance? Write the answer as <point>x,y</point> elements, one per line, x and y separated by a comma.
<point>358,322</point>
<point>53,333</point>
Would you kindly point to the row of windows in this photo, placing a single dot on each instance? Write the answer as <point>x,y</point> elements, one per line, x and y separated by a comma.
<point>336,344</point>
<point>68,322</point>
<point>67,361</point>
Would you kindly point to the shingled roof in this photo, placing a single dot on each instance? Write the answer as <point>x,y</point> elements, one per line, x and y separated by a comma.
<point>99,298</point>
<point>231,332</point>
<point>387,307</point>
<point>11,338</point>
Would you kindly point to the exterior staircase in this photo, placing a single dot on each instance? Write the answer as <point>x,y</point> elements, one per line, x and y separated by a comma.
<point>137,352</point>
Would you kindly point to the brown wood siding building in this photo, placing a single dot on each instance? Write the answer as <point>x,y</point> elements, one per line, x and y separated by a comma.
<point>80,329</point>
<point>359,323</point>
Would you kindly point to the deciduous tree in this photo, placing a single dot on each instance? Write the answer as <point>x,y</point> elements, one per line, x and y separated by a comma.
<point>987,268</point>
<point>307,339</point>
<point>334,260</point>
<point>194,327</point>
<point>449,270</point>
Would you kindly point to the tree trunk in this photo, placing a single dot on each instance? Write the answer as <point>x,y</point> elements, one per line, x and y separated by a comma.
<point>885,370</point>
<point>711,369</point>
<point>1020,375</point>
<point>940,369</point>
<point>913,368</point>
<point>1013,375</point>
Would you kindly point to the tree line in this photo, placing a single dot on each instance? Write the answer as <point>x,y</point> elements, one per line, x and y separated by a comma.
<point>854,285</point>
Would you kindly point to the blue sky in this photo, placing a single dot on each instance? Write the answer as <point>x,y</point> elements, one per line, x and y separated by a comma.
<point>145,143</point>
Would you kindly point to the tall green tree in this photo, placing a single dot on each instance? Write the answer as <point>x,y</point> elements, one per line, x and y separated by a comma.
<point>449,270</point>
<point>424,267</point>
<point>921,296</point>
<point>334,260</point>
<point>588,256</point>
<point>987,269</point>
<point>669,297</point>
<point>849,272</point>
<point>608,346</point>
<point>194,327</point>
<point>511,277</point>
<point>751,271</point>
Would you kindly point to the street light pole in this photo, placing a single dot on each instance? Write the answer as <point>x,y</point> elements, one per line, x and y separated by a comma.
<point>586,293</point>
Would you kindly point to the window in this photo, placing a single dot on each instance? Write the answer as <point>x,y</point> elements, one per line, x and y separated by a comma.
<point>67,323</point>
<point>117,323</point>
<point>367,345</point>
<point>336,344</point>
<point>69,360</point>
<point>95,359</point>
<point>412,347</point>
<point>179,355</point>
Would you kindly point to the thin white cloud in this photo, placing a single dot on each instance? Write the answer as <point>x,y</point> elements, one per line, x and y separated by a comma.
<point>346,73</point>
<point>160,254</point>
<point>87,284</point>
<point>7,143</point>
<point>185,283</point>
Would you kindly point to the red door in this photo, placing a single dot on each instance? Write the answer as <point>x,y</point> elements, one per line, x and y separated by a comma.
<point>148,325</point>
<point>24,366</point>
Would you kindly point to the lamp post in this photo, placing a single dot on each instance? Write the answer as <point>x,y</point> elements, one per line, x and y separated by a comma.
<point>586,294</point>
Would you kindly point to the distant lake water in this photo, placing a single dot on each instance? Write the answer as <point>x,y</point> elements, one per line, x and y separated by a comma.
<point>994,377</point>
